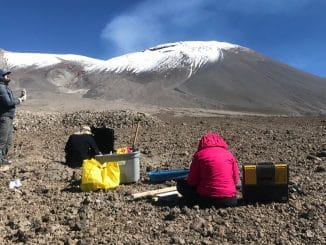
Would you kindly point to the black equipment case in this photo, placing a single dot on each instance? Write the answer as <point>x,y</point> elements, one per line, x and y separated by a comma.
<point>265,182</point>
<point>104,138</point>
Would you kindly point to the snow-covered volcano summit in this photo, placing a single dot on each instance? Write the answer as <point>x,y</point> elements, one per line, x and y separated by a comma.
<point>191,55</point>
<point>212,74</point>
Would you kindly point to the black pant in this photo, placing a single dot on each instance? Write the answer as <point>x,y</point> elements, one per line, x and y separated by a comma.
<point>191,195</point>
<point>6,129</point>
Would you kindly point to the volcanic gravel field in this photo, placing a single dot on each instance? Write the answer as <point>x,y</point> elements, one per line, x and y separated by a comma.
<point>50,208</point>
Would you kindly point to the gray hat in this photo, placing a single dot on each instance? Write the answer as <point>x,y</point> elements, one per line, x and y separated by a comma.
<point>84,130</point>
<point>3,73</point>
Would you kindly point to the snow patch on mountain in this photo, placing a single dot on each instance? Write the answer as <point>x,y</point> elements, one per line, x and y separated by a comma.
<point>39,60</point>
<point>192,55</point>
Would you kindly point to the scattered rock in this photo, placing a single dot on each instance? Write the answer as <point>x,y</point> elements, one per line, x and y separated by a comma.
<point>198,224</point>
<point>309,233</point>
<point>312,157</point>
<point>177,240</point>
<point>48,212</point>
<point>320,169</point>
<point>172,215</point>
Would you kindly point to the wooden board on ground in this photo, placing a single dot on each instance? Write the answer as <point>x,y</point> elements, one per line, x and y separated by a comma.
<point>153,192</point>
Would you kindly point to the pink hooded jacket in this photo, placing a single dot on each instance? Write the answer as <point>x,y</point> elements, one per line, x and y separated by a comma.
<point>214,170</point>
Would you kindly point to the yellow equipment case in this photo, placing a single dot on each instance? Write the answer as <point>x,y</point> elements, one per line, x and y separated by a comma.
<point>265,182</point>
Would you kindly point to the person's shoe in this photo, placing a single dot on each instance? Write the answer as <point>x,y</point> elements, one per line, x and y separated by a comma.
<point>5,162</point>
<point>4,167</point>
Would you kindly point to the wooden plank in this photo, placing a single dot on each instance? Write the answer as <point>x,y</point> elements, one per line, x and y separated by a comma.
<point>153,192</point>
<point>166,196</point>
<point>170,193</point>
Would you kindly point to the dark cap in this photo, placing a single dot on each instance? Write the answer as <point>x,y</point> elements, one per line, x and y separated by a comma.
<point>3,73</point>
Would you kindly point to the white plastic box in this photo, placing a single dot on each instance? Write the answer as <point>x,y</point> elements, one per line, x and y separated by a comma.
<point>128,162</point>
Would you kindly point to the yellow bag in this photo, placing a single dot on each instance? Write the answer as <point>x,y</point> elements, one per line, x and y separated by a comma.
<point>97,176</point>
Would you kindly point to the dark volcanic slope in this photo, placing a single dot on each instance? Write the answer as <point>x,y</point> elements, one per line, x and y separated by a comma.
<point>249,81</point>
<point>242,81</point>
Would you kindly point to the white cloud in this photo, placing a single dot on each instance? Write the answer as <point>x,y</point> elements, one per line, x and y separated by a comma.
<point>154,22</point>
<point>131,32</point>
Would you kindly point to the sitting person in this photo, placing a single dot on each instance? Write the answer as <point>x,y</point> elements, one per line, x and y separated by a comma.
<point>213,174</point>
<point>80,146</point>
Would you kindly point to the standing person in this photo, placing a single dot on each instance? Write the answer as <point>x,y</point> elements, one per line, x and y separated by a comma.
<point>7,113</point>
<point>213,174</point>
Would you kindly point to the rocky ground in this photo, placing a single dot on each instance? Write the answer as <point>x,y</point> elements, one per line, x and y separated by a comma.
<point>49,207</point>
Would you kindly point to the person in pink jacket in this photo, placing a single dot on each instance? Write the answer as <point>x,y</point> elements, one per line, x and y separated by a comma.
<point>213,174</point>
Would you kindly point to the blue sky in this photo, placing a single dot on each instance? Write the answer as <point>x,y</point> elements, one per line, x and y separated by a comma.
<point>290,31</point>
